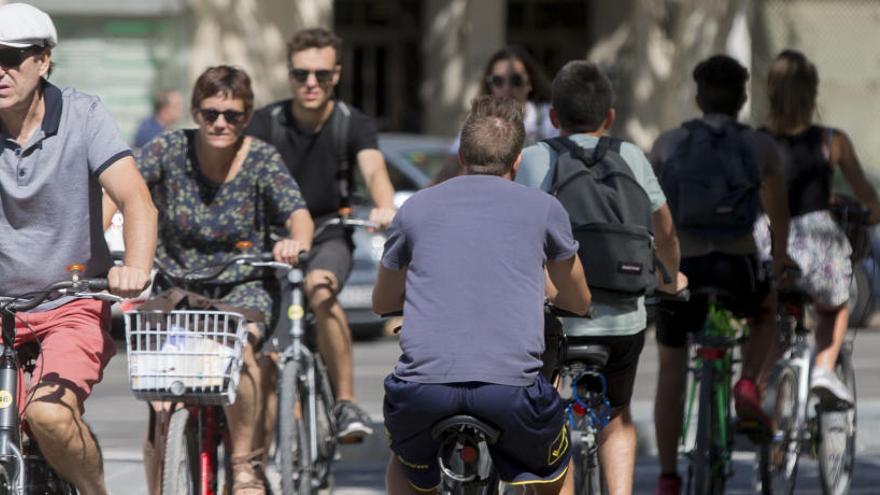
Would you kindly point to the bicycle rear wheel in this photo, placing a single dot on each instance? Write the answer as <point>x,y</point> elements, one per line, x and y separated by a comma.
<point>778,459</point>
<point>837,435</point>
<point>181,468</point>
<point>587,471</point>
<point>293,444</point>
<point>706,473</point>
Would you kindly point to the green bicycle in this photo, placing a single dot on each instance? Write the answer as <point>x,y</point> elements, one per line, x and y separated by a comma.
<point>709,456</point>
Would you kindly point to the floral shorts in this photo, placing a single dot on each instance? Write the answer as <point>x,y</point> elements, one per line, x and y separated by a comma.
<point>821,249</point>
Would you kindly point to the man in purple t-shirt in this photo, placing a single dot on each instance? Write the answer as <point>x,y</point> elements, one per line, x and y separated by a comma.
<point>465,260</point>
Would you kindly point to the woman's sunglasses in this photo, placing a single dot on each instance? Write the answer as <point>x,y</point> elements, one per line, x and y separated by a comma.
<point>323,76</point>
<point>232,117</point>
<point>11,58</point>
<point>514,80</point>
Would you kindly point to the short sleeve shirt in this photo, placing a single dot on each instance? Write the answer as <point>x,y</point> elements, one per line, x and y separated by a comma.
<point>312,157</point>
<point>50,213</point>
<point>607,319</point>
<point>200,221</point>
<point>474,248</point>
<point>767,156</point>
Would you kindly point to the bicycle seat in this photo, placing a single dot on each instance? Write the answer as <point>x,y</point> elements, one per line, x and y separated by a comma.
<point>589,354</point>
<point>461,423</point>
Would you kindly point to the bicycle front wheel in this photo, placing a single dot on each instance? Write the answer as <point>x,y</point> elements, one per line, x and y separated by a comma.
<point>325,422</point>
<point>778,459</point>
<point>181,468</point>
<point>837,435</point>
<point>293,444</point>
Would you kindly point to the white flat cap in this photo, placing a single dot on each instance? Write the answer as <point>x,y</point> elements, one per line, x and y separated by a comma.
<point>23,25</point>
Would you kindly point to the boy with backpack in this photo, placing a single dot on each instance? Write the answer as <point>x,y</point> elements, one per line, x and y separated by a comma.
<point>620,218</point>
<point>717,174</point>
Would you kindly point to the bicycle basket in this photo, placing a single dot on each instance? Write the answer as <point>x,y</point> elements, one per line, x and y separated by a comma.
<point>193,357</point>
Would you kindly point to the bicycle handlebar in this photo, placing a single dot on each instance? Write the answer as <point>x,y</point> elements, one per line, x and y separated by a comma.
<point>81,288</point>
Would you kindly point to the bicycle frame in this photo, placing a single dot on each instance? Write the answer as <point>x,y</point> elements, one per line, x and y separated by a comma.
<point>10,432</point>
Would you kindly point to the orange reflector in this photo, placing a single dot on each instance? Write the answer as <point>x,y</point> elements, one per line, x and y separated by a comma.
<point>76,268</point>
<point>244,245</point>
<point>345,212</point>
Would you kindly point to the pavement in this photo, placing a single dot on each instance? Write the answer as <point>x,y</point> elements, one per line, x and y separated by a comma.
<point>119,422</point>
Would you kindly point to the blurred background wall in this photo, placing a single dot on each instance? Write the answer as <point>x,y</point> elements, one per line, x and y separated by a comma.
<point>415,64</point>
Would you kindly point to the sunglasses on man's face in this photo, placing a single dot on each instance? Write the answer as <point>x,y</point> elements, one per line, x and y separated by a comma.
<point>323,76</point>
<point>12,58</point>
<point>232,117</point>
<point>514,80</point>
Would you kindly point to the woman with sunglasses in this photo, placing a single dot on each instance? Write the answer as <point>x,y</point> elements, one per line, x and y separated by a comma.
<point>214,187</point>
<point>512,73</point>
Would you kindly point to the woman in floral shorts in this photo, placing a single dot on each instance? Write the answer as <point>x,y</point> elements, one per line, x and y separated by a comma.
<point>811,153</point>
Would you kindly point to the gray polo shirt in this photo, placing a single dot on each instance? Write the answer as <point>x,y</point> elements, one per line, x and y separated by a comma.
<point>50,198</point>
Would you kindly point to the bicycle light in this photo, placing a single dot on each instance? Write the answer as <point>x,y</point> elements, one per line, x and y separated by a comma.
<point>468,454</point>
<point>578,409</point>
<point>178,388</point>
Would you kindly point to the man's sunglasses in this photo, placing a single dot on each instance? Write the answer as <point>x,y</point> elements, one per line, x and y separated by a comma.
<point>11,58</point>
<point>232,117</point>
<point>323,76</point>
<point>514,80</point>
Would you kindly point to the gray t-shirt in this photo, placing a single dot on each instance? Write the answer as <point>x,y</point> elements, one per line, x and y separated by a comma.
<point>474,248</point>
<point>608,319</point>
<point>766,155</point>
<point>50,213</point>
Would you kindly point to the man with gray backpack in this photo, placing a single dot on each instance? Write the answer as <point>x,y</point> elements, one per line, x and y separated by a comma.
<point>717,174</point>
<point>620,218</point>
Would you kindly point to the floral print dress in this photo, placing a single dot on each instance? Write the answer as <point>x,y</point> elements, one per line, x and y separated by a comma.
<point>201,221</point>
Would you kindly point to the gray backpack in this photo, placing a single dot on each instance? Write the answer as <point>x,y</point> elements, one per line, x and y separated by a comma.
<point>610,216</point>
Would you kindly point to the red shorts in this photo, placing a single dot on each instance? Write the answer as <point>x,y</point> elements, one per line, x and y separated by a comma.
<point>76,345</point>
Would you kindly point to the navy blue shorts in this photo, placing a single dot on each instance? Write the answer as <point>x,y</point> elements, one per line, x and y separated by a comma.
<point>534,442</point>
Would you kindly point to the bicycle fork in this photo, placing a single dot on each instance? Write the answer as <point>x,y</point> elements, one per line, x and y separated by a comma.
<point>10,433</point>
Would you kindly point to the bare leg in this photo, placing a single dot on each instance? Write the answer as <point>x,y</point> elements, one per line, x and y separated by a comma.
<point>334,337</point>
<point>244,416</point>
<point>68,444</point>
<point>669,405</point>
<point>396,482</point>
<point>761,342</point>
<point>269,367</point>
<point>831,326</point>
<point>617,452</point>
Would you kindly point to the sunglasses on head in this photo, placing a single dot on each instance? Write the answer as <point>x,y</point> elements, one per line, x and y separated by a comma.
<point>514,80</point>
<point>323,76</point>
<point>232,117</point>
<point>11,58</point>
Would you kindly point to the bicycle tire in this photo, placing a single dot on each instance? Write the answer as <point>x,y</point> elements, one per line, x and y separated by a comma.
<point>837,436</point>
<point>587,472</point>
<point>701,478</point>
<point>6,487</point>
<point>180,472</point>
<point>326,434</point>
<point>293,444</point>
<point>778,460</point>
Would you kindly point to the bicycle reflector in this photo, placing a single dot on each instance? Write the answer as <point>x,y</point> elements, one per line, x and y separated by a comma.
<point>79,267</point>
<point>578,409</point>
<point>244,245</point>
<point>468,454</point>
<point>711,353</point>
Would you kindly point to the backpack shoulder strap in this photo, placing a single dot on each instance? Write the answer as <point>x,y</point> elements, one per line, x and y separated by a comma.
<point>276,127</point>
<point>340,122</point>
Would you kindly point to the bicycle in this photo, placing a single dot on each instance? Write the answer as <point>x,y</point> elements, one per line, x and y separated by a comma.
<point>801,422</point>
<point>22,467</point>
<point>709,459</point>
<point>306,440</point>
<point>188,362</point>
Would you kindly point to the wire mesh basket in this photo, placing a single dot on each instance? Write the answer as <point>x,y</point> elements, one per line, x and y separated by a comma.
<point>188,356</point>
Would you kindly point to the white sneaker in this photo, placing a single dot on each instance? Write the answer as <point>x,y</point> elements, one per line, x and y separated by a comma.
<point>828,387</point>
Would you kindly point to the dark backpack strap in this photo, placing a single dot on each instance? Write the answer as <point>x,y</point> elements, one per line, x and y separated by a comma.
<point>276,127</point>
<point>339,125</point>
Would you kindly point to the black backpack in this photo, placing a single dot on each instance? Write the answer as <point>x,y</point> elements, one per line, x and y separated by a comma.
<point>712,182</point>
<point>610,216</point>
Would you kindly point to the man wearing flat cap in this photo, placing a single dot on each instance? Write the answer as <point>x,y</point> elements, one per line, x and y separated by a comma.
<point>58,149</point>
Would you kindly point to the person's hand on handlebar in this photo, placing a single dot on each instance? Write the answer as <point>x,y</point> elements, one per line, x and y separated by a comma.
<point>287,250</point>
<point>382,216</point>
<point>676,285</point>
<point>127,281</point>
